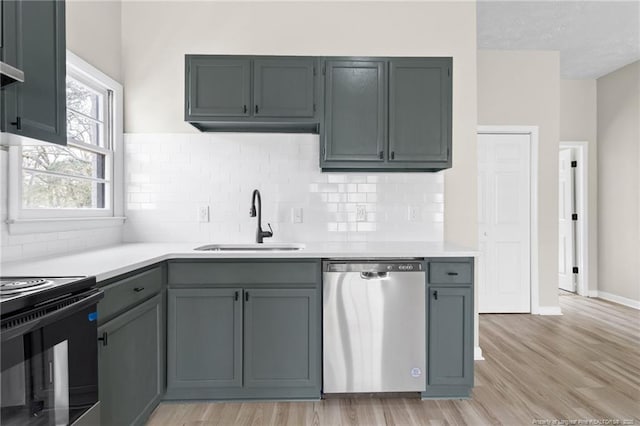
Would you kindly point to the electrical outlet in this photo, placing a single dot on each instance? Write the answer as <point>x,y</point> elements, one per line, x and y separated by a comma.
<point>203,214</point>
<point>296,215</point>
<point>412,213</point>
<point>361,213</point>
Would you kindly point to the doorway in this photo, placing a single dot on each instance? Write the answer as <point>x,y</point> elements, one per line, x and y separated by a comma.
<point>567,217</point>
<point>573,218</point>
<point>506,212</point>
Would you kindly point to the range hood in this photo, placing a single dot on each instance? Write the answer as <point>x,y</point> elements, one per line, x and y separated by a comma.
<point>9,75</point>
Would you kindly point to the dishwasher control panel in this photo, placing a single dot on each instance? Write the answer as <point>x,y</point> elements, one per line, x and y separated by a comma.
<point>372,266</point>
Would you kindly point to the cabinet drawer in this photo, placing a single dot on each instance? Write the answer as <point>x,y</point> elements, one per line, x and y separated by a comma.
<point>450,273</point>
<point>129,291</point>
<point>245,272</point>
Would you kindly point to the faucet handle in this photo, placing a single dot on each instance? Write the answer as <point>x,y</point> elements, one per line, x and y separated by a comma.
<point>270,231</point>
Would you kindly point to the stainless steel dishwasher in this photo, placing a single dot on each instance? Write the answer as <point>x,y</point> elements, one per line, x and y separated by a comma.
<point>373,326</point>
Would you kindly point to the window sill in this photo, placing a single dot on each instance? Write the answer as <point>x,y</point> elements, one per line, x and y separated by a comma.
<point>32,226</point>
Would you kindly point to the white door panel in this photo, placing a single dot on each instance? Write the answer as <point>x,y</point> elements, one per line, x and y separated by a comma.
<point>504,223</point>
<point>566,279</point>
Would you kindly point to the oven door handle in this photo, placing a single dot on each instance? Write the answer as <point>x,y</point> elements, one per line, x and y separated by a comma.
<point>47,319</point>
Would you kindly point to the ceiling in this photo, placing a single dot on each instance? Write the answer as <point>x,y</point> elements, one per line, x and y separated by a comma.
<point>593,37</point>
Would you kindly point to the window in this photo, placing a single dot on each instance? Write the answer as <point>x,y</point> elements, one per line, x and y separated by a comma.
<point>80,180</point>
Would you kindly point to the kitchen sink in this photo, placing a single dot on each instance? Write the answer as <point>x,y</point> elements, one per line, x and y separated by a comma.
<point>252,247</point>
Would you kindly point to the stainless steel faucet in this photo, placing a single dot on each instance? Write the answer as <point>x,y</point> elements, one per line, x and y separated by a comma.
<point>260,234</point>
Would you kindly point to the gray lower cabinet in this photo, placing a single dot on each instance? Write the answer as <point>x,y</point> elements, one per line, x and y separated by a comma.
<point>33,40</point>
<point>130,362</point>
<point>281,348</point>
<point>449,328</point>
<point>204,338</point>
<point>244,330</point>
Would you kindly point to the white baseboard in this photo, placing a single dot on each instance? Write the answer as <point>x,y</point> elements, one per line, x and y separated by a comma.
<point>549,310</point>
<point>593,293</point>
<point>477,354</point>
<point>617,299</point>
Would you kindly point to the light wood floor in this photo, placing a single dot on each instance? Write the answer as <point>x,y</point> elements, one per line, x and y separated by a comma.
<point>580,366</point>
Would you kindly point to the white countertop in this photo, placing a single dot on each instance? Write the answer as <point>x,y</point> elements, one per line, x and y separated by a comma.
<point>112,261</point>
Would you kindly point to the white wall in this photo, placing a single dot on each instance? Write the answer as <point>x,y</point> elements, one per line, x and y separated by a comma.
<point>94,32</point>
<point>523,88</point>
<point>578,122</point>
<point>157,35</point>
<point>619,183</point>
<point>170,175</point>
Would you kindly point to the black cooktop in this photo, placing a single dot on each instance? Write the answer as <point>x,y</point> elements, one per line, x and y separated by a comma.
<point>18,294</point>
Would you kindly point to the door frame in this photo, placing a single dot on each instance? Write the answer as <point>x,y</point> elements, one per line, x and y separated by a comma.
<point>532,132</point>
<point>582,202</point>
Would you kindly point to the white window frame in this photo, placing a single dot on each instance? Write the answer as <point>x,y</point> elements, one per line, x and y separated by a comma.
<point>23,221</point>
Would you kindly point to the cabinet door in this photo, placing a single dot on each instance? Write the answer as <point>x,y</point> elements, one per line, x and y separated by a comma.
<point>204,347</point>
<point>419,110</point>
<point>217,86</point>
<point>355,111</point>
<point>283,87</point>
<point>281,337</point>
<point>34,41</point>
<point>131,365</point>
<point>450,346</point>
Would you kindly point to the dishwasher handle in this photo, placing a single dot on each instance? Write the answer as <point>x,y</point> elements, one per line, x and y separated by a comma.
<point>374,275</point>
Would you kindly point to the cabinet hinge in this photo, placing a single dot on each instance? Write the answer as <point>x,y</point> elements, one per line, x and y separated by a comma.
<point>574,164</point>
<point>574,216</point>
<point>575,269</point>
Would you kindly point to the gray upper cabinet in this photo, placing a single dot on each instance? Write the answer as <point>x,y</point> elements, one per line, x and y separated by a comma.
<point>386,114</point>
<point>204,338</point>
<point>355,108</point>
<point>33,35</point>
<point>284,87</point>
<point>281,344</point>
<point>252,93</point>
<point>131,364</point>
<point>419,111</point>
<point>218,86</point>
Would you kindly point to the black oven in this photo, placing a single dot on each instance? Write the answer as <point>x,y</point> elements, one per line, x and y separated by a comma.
<point>49,359</point>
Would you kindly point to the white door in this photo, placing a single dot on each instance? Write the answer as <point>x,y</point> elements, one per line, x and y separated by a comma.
<point>566,279</point>
<point>504,223</point>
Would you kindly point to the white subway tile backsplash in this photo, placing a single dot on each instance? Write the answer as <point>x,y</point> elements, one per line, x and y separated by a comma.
<point>170,176</point>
